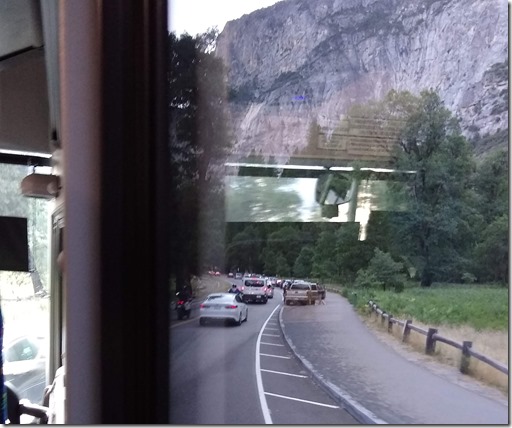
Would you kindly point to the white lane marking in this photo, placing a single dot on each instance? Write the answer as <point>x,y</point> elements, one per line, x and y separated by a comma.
<point>275,356</point>
<point>273,335</point>
<point>259,382</point>
<point>283,373</point>
<point>271,328</point>
<point>303,401</point>
<point>271,344</point>
<point>344,396</point>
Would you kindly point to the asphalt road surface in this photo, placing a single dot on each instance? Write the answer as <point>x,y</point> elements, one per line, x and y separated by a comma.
<point>227,374</point>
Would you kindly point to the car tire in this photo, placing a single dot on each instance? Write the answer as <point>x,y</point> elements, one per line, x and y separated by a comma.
<point>239,322</point>
<point>202,321</point>
<point>246,315</point>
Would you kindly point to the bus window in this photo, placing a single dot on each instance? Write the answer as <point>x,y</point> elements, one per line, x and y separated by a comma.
<point>25,295</point>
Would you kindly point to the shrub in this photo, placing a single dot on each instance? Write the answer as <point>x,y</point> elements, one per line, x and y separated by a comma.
<point>367,279</point>
<point>468,278</point>
<point>382,272</point>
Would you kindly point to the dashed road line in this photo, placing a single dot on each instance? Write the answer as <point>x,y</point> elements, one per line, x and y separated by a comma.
<point>272,335</point>
<point>303,401</point>
<point>283,373</point>
<point>271,344</point>
<point>275,356</point>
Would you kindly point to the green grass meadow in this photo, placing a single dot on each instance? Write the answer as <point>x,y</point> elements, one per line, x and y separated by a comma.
<point>477,306</point>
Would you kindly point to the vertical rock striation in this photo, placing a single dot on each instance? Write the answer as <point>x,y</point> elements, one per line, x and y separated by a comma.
<point>308,61</point>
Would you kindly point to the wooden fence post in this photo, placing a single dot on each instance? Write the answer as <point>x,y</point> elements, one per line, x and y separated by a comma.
<point>382,316</point>
<point>390,323</point>
<point>430,346</point>
<point>464,361</point>
<point>407,331</point>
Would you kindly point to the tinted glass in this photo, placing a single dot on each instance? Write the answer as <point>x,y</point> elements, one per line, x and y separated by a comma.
<point>300,286</point>
<point>333,160</point>
<point>254,283</point>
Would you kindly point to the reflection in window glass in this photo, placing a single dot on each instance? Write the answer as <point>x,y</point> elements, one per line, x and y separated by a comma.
<point>357,144</point>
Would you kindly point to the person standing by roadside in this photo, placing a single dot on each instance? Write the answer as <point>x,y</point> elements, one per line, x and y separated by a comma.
<point>234,289</point>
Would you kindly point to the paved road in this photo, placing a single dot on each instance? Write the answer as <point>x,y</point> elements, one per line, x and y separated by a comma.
<point>372,379</point>
<point>291,394</point>
<point>244,375</point>
<point>213,377</point>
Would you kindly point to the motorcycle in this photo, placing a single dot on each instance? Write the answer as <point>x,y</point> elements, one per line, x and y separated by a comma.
<point>183,307</point>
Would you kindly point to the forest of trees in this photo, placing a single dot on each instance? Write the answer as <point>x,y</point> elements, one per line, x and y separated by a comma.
<point>454,227</point>
<point>199,142</point>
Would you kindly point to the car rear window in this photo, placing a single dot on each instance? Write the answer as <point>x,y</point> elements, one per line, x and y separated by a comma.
<point>254,283</point>
<point>300,286</point>
<point>218,297</point>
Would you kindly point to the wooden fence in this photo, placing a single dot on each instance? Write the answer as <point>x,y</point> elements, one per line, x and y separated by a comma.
<point>432,337</point>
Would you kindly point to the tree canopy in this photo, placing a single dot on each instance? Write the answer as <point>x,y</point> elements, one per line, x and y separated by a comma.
<point>447,198</point>
<point>200,139</point>
<point>448,220</point>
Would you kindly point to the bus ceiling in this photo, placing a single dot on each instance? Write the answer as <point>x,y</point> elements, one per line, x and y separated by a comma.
<point>29,117</point>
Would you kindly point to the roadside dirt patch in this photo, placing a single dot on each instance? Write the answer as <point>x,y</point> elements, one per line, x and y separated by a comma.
<point>206,284</point>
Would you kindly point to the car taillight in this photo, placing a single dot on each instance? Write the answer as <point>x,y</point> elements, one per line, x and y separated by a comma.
<point>180,302</point>
<point>231,306</point>
<point>202,305</point>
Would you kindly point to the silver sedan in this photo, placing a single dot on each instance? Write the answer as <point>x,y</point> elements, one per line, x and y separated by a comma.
<point>223,306</point>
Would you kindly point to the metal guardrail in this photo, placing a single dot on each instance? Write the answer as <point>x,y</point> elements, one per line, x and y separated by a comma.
<point>432,336</point>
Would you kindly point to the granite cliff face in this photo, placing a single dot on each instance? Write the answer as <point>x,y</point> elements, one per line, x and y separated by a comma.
<point>305,61</point>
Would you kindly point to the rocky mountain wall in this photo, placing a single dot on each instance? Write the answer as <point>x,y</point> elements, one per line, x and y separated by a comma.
<point>300,62</point>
